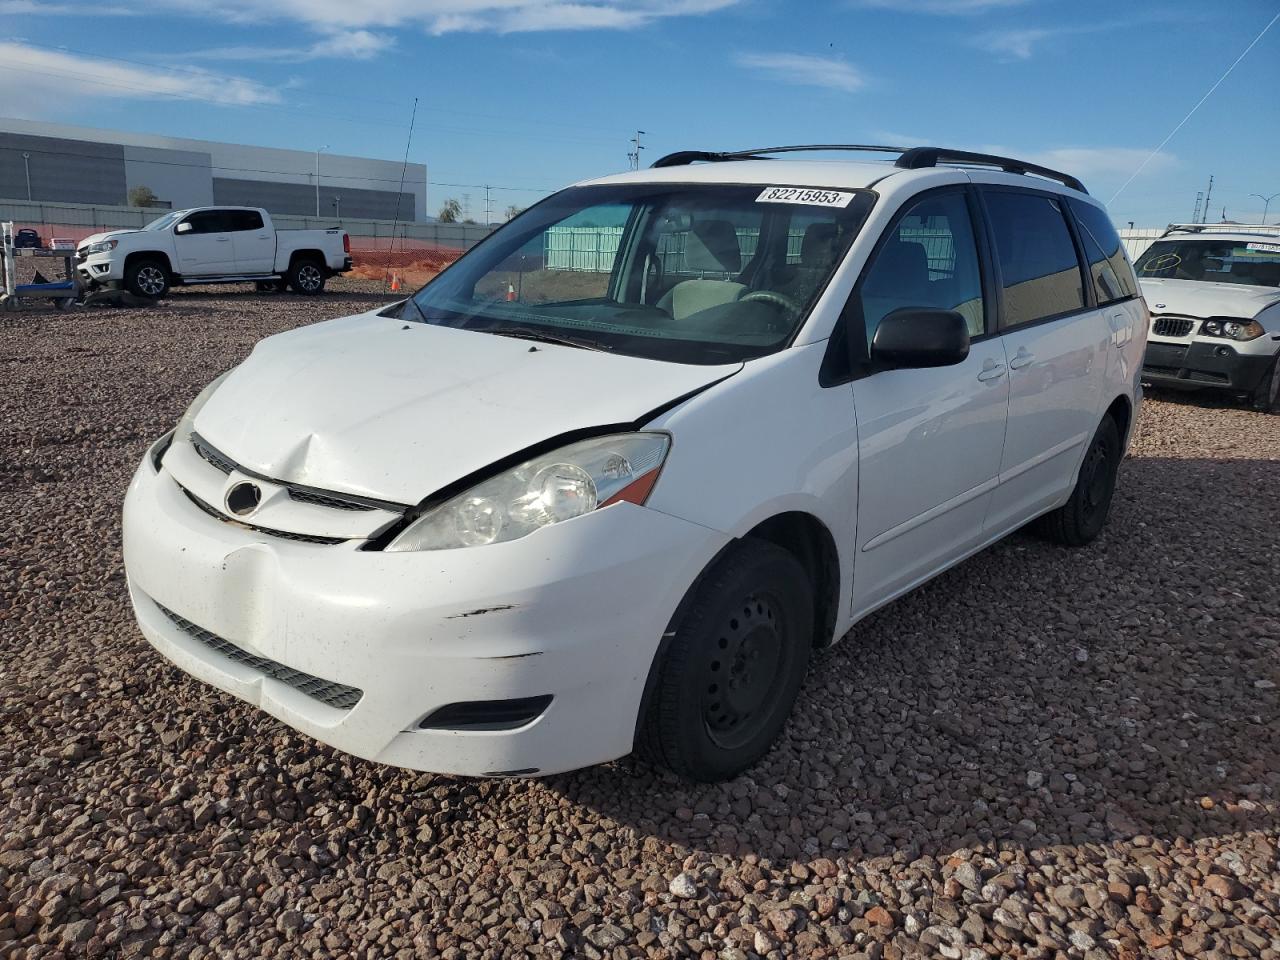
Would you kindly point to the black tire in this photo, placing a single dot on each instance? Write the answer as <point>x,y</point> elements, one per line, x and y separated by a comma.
<point>306,276</point>
<point>1266,396</point>
<point>1080,520</point>
<point>270,286</point>
<point>147,277</point>
<point>734,667</point>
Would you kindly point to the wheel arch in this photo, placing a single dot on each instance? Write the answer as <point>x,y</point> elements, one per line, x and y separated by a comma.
<point>1121,411</point>
<point>160,255</point>
<point>306,254</point>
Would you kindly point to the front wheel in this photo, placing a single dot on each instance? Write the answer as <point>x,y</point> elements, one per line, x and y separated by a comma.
<point>306,276</point>
<point>734,667</point>
<point>1266,396</point>
<point>146,278</point>
<point>1079,520</point>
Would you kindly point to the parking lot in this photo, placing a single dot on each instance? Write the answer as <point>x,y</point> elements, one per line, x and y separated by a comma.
<point>1043,752</point>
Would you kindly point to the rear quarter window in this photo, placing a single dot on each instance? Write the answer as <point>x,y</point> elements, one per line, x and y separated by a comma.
<point>1111,273</point>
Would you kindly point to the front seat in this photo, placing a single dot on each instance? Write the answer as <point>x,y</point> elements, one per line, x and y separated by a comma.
<point>711,247</point>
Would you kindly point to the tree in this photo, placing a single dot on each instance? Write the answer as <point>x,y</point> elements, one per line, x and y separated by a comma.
<point>141,196</point>
<point>513,211</point>
<point>451,212</point>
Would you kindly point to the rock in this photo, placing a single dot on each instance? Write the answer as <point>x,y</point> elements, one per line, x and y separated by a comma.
<point>1035,779</point>
<point>1226,887</point>
<point>684,886</point>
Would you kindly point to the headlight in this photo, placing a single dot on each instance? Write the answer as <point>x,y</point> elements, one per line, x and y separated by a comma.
<point>1233,329</point>
<point>557,486</point>
<point>102,246</point>
<point>187,423</point>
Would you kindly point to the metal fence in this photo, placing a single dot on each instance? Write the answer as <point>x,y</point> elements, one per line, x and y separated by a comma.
<point>77,220</point>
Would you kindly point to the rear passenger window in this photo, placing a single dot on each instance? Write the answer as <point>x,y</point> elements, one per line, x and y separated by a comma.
<point>245,220</point>
<point>930,259</point>
<point>1112,276</point>
<point>1038,263</point>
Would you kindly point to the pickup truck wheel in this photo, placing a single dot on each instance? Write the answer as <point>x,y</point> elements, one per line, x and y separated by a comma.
<point>734,667</point>
<point>1266,397</point>
<point>1081,519</point>
<point>146,278</point>
<point>306,277</point>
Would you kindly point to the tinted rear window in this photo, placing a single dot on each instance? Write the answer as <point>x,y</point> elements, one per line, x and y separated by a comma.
<point>1113,278</point>
<point>1038,263</point>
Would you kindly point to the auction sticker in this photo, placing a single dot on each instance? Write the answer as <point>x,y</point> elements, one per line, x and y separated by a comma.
<point>805,195</point>
<point>1265,247</point>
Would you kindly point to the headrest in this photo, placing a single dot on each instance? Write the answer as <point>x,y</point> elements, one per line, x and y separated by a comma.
<point>818,248</point>
<point>713,247</point>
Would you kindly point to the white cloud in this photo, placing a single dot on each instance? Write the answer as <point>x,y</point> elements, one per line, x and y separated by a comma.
<point>1016,44</point>
<point>450,16</point>
<point>806,70</point>
<point>345,45</point>
<point>80,76</point>
<point>946,7</point>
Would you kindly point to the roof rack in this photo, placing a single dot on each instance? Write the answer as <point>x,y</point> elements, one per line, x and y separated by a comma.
<point>1260,229</point>
<point>909,158</point>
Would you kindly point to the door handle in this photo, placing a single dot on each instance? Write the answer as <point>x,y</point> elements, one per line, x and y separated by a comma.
<point>1022,359</point>
<point>991,370</point>
<point>223,239</point>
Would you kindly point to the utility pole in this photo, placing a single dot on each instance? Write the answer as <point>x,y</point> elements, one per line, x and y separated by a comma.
<point>1208,194</point>
<point>488,215</point>
<point>337,208</point>
<point>1266,201</point>
<point>318,149</point>
<point>1195,214</point>
<point>26,163</point>
<point>633,157</point>
<point>466,206</point>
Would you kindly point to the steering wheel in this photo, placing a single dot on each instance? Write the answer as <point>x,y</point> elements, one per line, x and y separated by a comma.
<point>772,297</point>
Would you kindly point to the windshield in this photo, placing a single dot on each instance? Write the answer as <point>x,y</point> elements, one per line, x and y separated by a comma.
<point>692,273</point>
<point>164,221</point>
<point>1216,261</point>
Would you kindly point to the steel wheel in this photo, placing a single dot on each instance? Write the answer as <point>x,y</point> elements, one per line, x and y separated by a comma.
<point>744,676</point>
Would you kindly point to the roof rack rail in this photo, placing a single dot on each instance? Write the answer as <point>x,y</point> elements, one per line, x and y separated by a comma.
<point>919,157</point>
<point>683,157</point>
<point>909,158</point>
<point>1260,229</point>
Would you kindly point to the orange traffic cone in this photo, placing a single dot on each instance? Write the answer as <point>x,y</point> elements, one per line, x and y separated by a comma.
<point>395,283</point>
<point>511,293</point>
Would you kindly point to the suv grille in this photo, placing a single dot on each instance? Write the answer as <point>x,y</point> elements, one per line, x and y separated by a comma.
<point>1172,326</point>
<point>211,455</point>
<point>329,692</point>
<point>325,500</point>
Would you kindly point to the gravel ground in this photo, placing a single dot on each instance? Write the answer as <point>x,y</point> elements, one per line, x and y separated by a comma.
<point>1043,753</point>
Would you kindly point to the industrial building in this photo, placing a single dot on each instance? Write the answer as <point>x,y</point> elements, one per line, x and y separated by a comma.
<point>57,163</point>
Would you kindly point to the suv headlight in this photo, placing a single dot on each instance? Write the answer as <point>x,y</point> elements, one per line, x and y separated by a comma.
<point>187,423</point>
<point>557,486</point>
<point>102,246</point>
<point>1232,329</point>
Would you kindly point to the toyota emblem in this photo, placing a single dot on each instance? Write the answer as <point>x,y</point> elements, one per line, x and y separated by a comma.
<point>243,498</point>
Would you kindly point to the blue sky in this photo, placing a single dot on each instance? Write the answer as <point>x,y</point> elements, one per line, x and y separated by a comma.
<point>528,96</point>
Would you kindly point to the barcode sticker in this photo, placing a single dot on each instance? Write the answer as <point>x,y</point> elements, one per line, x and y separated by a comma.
<point>805,195</point>
<point>1265,247</point>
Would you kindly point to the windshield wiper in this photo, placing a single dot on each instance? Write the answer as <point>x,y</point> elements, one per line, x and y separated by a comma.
<point>528,333</point>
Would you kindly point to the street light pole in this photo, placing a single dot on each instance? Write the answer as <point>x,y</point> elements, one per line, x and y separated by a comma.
<point>318,149</point>
<point>26,163</point>
<point>1266,201</point>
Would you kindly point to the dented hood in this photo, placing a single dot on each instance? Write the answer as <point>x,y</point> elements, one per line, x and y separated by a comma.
<point>382,408</point>
<point>1198,298</point>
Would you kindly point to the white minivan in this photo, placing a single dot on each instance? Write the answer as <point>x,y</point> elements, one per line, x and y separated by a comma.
<point>608,481</point>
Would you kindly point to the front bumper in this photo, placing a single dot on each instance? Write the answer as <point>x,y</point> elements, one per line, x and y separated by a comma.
<point>100,268</point>
<point>1218,364</point>
<point>575,611</point>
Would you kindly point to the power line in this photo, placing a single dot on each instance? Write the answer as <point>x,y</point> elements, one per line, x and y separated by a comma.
<point>1191,112</point>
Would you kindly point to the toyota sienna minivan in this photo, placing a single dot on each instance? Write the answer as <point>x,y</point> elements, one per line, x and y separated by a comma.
<point>607,482</point>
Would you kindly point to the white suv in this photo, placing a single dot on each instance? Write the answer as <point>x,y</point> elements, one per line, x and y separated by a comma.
<point>1214,291</point>
<point>609,480</point>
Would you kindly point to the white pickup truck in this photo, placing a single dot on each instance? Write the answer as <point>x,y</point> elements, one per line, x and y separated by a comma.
<point>213,245</point>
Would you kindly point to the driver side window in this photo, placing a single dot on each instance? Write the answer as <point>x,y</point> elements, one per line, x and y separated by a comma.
<point>929,259</point>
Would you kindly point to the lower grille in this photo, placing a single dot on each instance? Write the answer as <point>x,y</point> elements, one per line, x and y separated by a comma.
<point>329,692</point>
<point>1172,326</point>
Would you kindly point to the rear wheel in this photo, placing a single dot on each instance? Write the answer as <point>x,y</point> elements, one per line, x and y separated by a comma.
<point>734,666</point>
<point>146,277</point>
<point>1082,518</point>
<point>306,276</point>
<point>1266,396</point>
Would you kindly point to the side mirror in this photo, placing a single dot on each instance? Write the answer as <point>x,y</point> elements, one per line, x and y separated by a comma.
<point>183,227</point>
<point>921,337</point>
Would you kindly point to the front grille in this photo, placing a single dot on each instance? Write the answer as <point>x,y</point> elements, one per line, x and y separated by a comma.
<point>329,692</point>
<point>282,534</point>
<point>1172,326</point>
<point>325,500</point>
<point>211,455</point>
